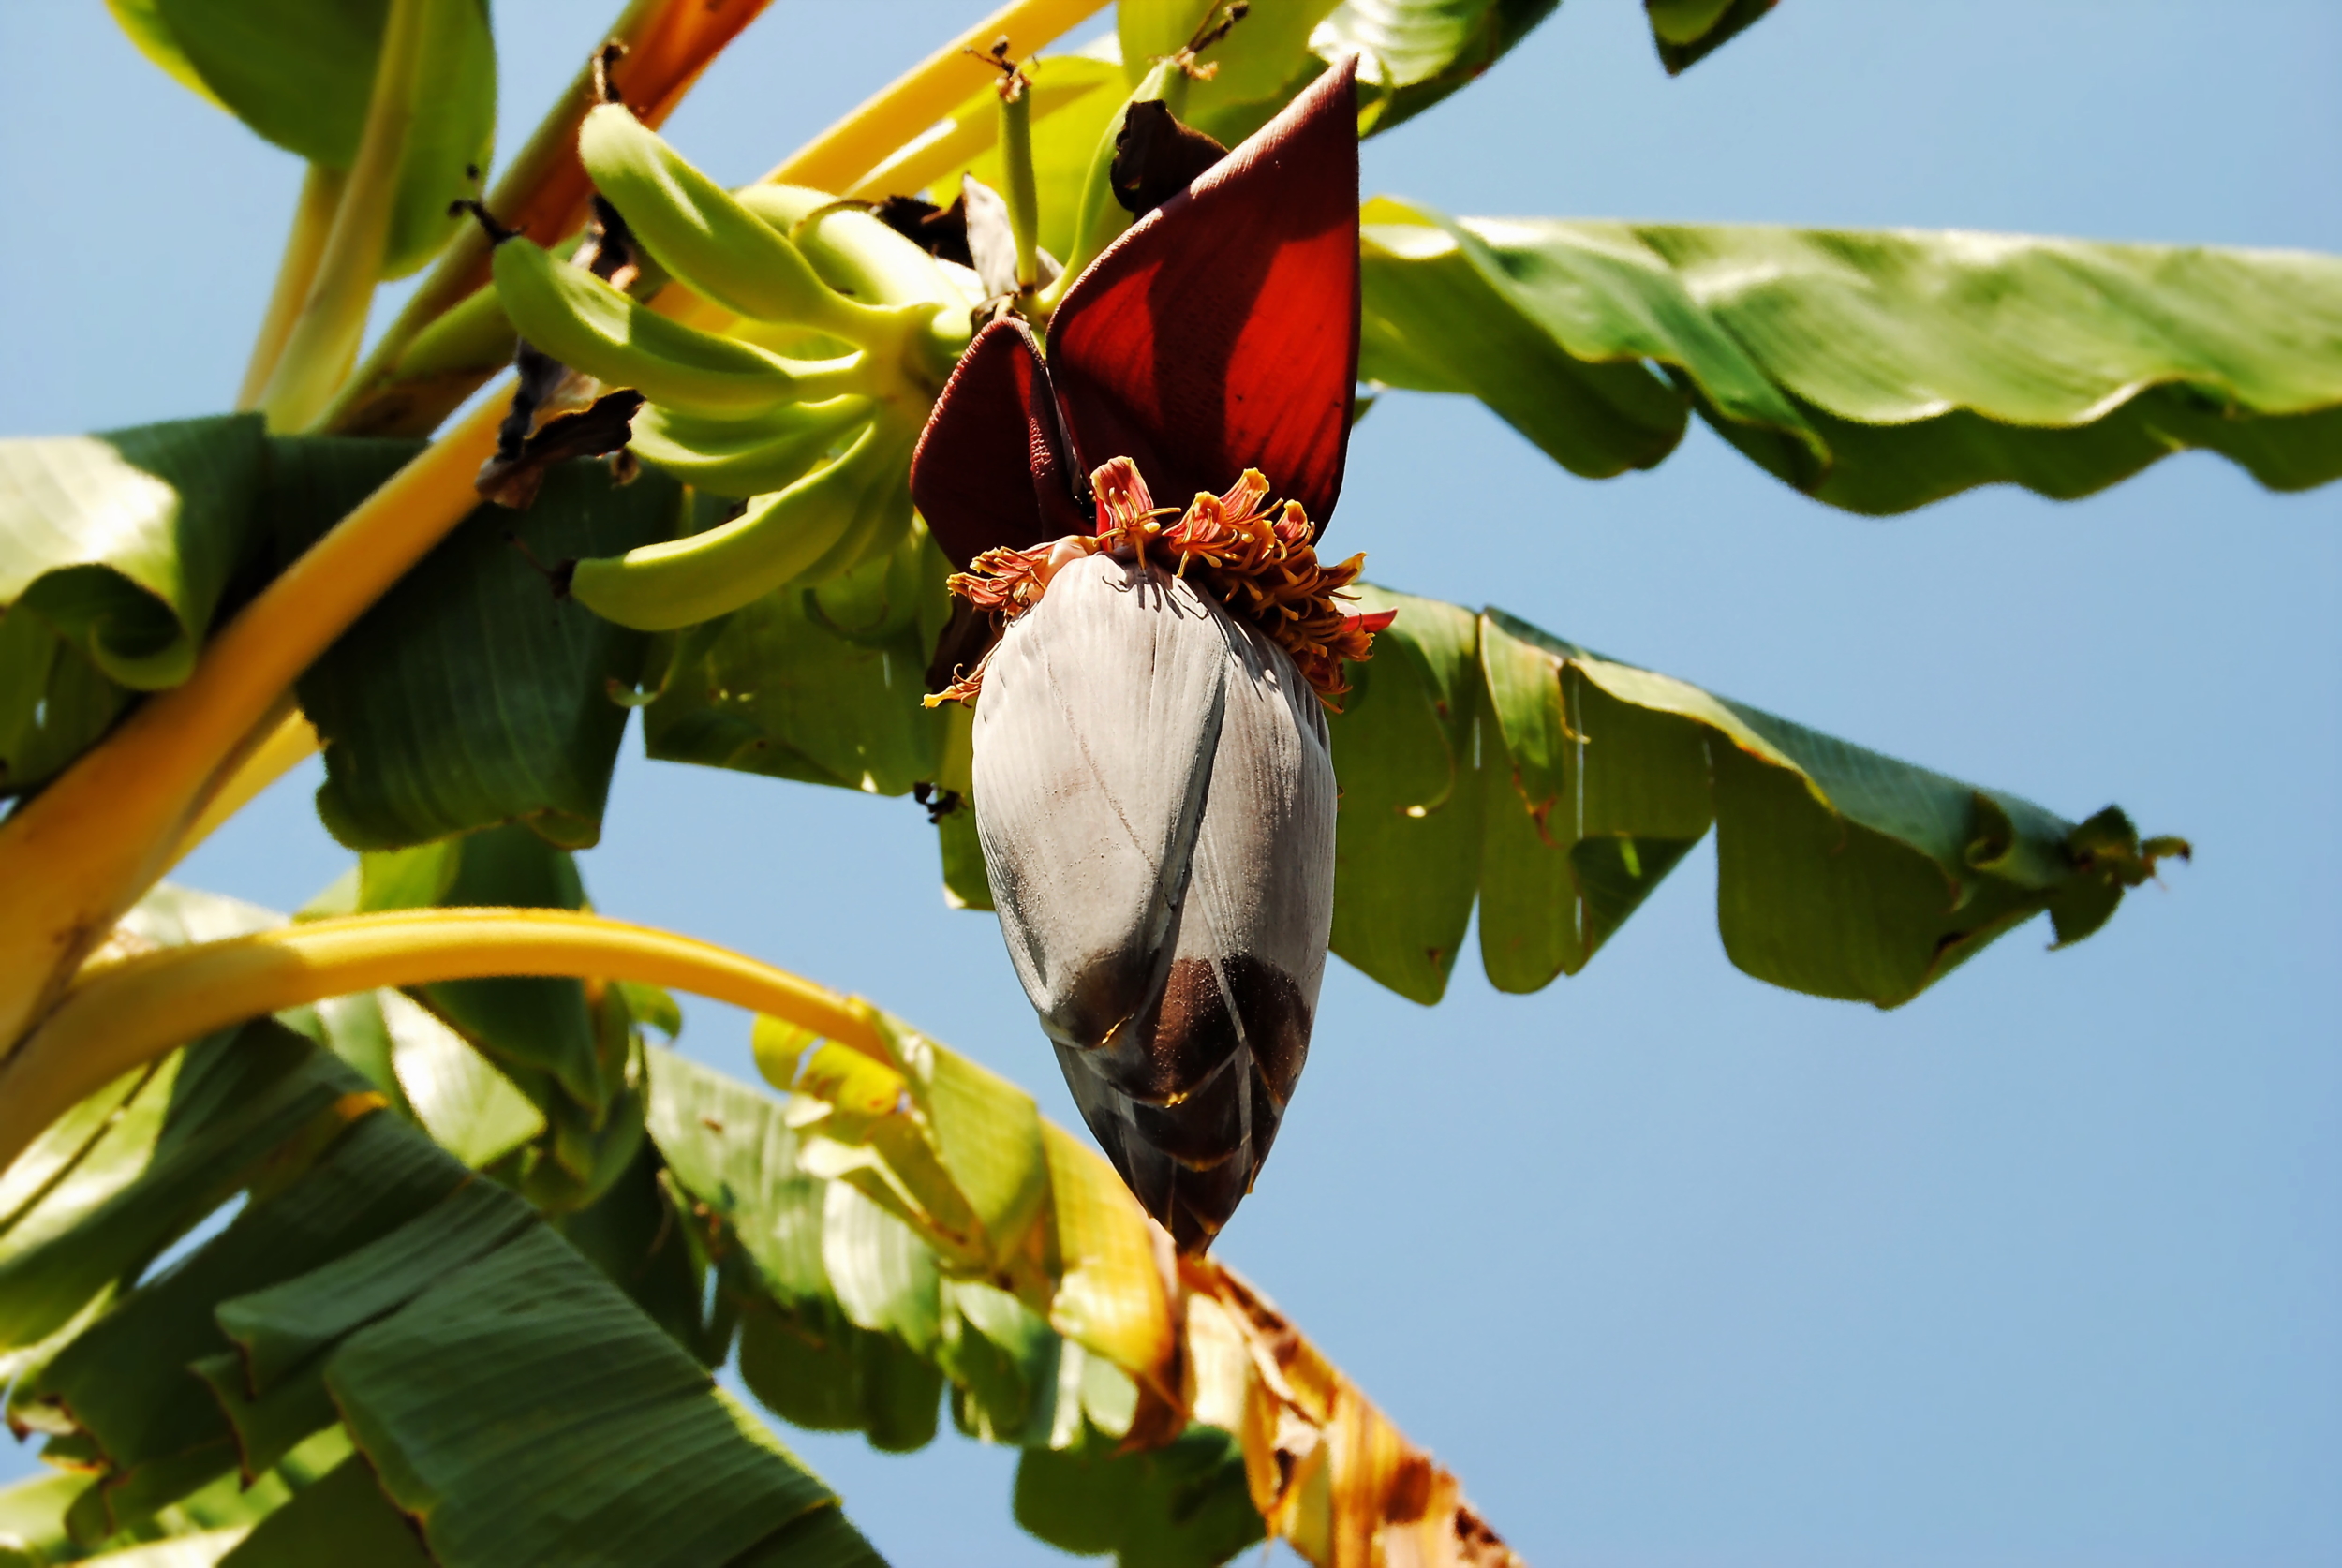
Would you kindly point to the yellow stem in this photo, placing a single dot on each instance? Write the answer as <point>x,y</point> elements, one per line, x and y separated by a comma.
<point>126,1011</point>
<point>927,93</point>
<point>286,743</point>
<point>80,853</point>
<point>312,220</point>
<point>324,342</point>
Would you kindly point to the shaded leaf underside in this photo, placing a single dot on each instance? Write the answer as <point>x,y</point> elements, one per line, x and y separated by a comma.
<point>1875,370</point>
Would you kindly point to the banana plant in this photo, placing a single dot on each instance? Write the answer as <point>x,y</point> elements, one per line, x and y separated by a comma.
<point>1037,374</point>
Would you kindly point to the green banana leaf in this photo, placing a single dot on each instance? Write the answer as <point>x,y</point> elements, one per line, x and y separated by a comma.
<point>1167,1508</point>
<point>471,694</point>
<point>1687,31</point>
<point>818,683</point>
<point>1480,756</point>
<point>375,1282</point>
<point>1414,53</point>
<point>851,1322</point>
<point>123,551</point>
<point>302,75</point>
<point>1876,371</point>
<point>115,552</point>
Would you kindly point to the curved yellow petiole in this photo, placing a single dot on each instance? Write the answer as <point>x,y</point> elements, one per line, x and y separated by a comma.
<point>79,854</point>
<point>126,1011</point>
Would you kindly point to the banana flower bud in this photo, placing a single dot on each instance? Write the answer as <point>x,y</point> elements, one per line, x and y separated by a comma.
<point>1153,788</point>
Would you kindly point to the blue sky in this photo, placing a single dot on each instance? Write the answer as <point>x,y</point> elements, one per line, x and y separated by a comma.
<point>1673,1268</point>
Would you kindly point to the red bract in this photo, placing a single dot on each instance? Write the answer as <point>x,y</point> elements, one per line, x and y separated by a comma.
<point>1219,334</point>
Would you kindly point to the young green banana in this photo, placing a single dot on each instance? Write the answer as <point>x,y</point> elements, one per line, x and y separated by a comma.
<point>745,457</point>
<point>584,323</point>
<point>659,588</point>
<point>694,228</point>
<point>882,514</point>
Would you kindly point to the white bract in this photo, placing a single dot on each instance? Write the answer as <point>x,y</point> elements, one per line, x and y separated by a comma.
<point>1156,802</point>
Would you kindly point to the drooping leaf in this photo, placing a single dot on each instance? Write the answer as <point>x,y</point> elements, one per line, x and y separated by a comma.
<point>471,694</point>
<point>1406,864</point>
<point>115,551</point>
<point>1562,786</point>
<point>122,1383</point>
<point>1414,53</point>
<point>1687,31</point>
<point>343,1519</point>
<point>1185,1506</point>
<point>1876,371</point>
<point>302,76</point>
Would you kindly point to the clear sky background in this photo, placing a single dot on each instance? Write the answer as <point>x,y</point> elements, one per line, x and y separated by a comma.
<point>1673,1267</point>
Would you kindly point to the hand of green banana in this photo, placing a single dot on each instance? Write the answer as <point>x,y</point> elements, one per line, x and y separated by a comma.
<point>818,525</point>
<point>747,457</point>
<point>589,326</point>
<point>823,446</point>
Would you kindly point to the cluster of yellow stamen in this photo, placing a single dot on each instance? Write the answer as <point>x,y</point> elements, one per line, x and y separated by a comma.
<point>1256,559</point>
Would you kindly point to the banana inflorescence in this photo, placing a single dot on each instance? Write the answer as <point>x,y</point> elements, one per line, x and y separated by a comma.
<point>805,408</point>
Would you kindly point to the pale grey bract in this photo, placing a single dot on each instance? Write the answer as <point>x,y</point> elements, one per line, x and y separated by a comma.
<point>1155,797</point>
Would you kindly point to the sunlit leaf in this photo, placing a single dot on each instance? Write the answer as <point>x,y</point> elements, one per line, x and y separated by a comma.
<point>303,75</point>
<point>1876,371</point>
<point>1414,53</point>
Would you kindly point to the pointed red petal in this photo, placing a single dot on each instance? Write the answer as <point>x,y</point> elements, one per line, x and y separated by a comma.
<point>1220,333</point>
<point>990,471</point>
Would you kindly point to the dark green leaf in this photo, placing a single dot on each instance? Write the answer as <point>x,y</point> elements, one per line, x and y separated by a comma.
<point>819,684</point>
<point>471,695</point>
<point>1876,371</point>
<point>123,1383</point>
<point>637,1234</point>
<point>1841,872</point>
<point>527,1413</point>
<point>1182,1506</point>
<point>1686,31</point>
<point>343,1519</point>
<point>1407,837</point>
